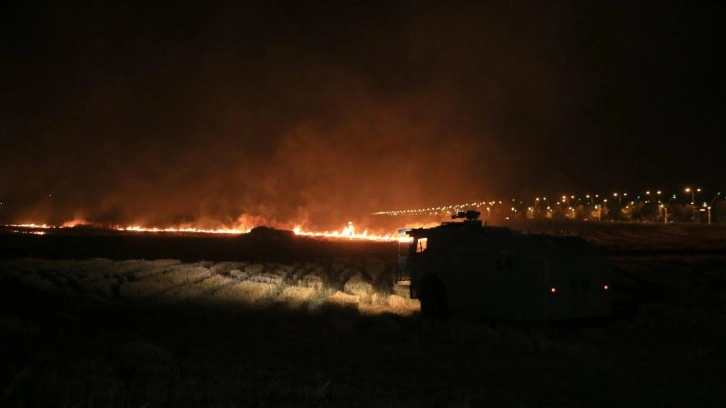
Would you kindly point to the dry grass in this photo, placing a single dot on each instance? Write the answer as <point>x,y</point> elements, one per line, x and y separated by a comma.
<point>344,299</point>
<point>315,334</point>
<point>161,284</point>
<point>295,296</point>
<point>245,293</point>
<point>307,285</point>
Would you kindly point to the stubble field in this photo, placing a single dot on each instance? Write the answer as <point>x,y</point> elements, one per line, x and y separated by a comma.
<point>326,328</point>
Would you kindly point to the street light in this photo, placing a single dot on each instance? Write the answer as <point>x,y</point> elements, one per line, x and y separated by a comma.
<point>647,196</point>
<point>711,205</point>
<point>665,209</point>
<point>693,193</point>
<point>619,198</point>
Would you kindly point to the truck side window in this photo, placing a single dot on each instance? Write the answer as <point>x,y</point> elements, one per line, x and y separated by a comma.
<point>422,245</point>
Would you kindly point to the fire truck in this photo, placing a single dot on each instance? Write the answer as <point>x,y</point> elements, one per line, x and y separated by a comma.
<point>464,267</point>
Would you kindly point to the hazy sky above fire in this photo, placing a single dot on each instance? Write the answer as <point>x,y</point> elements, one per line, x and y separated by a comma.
<point>321,112</point>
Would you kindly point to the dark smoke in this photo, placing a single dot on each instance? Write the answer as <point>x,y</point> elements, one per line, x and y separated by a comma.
<point>286,113</point>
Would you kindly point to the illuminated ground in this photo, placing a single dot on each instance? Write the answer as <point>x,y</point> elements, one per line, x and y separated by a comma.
<point>362,284</point>
<point>310,323</point>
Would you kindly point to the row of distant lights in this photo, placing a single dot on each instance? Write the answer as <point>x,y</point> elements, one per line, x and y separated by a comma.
<point>604,287</point>
<point>564,200</point>
<point>442,209</point>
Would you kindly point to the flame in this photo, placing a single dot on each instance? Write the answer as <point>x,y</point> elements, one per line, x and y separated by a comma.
<point>30,228</point>
<point>74,223</point>
<point>41,226</point>
<point>138,228</point>
<point>348,232</point>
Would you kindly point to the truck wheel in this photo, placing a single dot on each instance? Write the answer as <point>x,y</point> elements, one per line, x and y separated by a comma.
<point>434,299</point>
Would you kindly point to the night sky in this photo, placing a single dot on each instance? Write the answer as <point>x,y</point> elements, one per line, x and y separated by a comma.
<point>319,112</point>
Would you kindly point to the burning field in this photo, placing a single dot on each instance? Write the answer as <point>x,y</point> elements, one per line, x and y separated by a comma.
<point>200,204</point>
<point>271,318</point>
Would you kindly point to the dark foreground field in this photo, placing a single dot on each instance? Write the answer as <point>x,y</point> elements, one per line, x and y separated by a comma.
<point>318,325</point>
